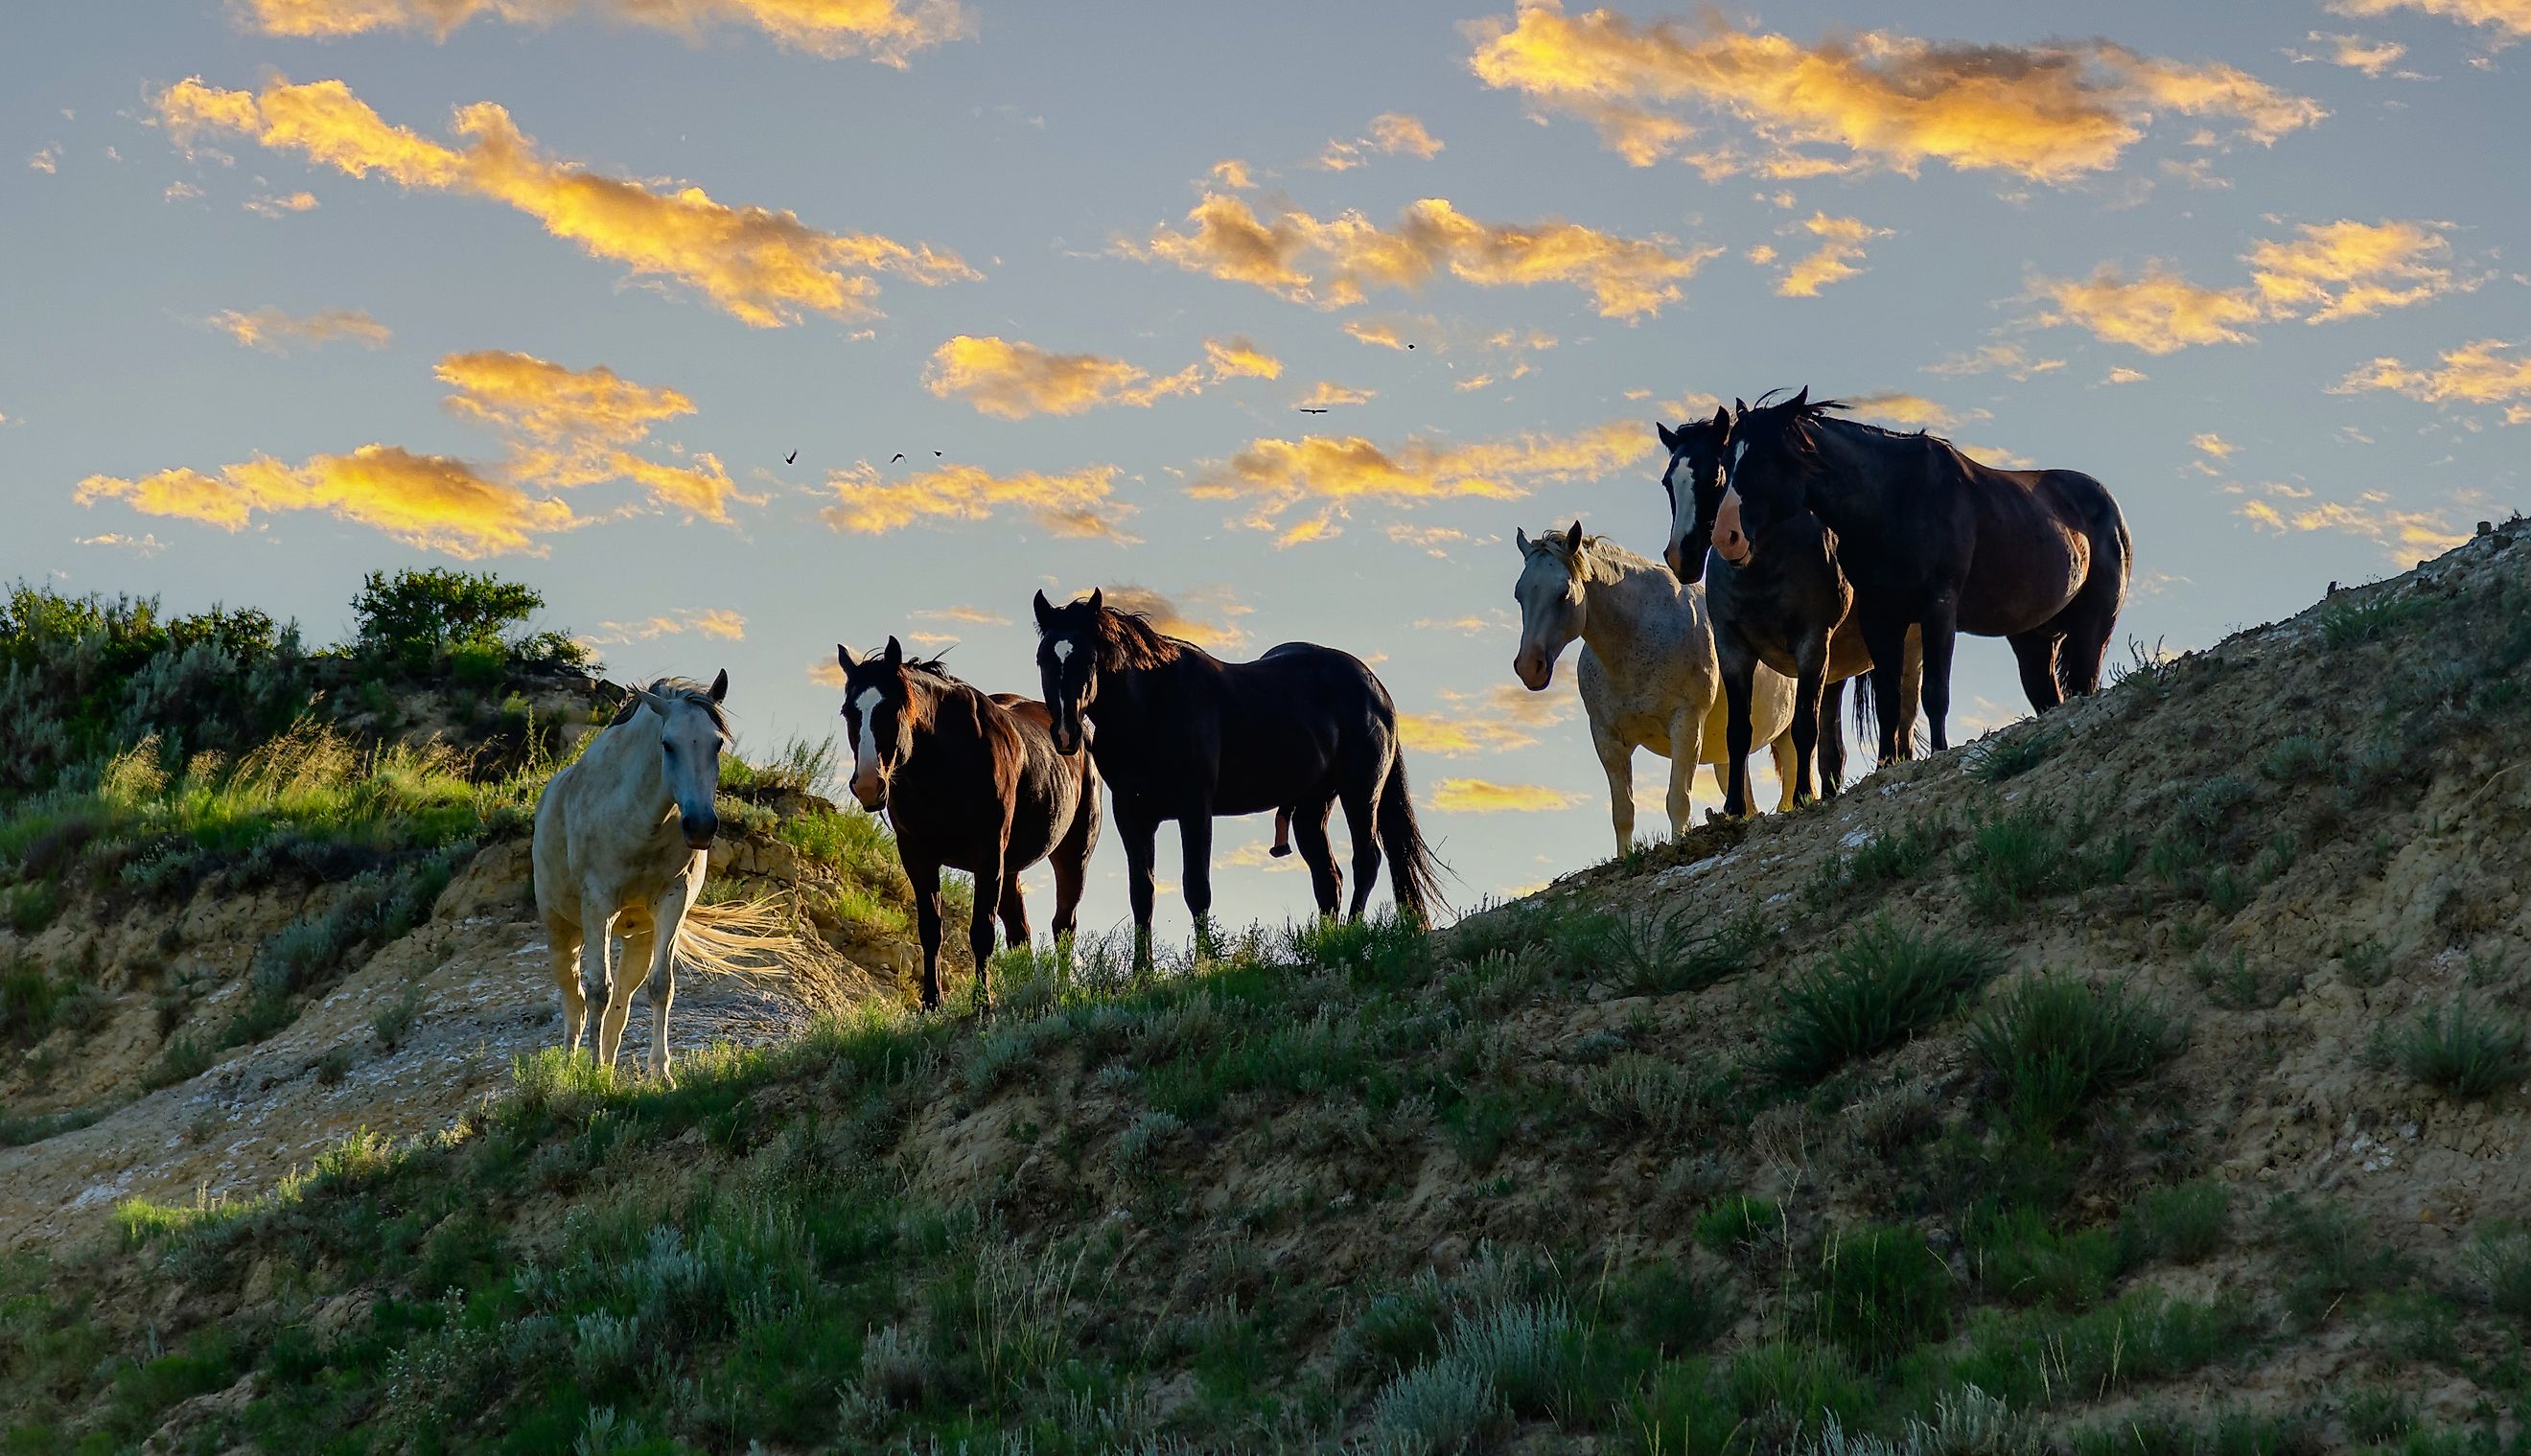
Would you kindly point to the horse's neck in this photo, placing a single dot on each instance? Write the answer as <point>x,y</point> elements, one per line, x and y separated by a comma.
<point>631,763</point>
<point>1618,601</point>
<point>1849,483</point>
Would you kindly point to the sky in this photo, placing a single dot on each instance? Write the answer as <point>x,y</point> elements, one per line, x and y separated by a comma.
<point>301,289</point>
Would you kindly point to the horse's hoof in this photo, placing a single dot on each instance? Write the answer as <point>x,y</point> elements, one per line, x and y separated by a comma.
<point>1280,851</point>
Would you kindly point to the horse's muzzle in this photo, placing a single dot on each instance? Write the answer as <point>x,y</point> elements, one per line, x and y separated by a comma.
<point>1535,669</point>
<point>871,790</point>
<point>700,830</point>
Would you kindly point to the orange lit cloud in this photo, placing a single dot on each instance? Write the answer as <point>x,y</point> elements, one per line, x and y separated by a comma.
<point>1461,735</point>
<point>763,267</point>
<point>2484,371</point>
<point>1334,263</point>
<point>1841,241</point>
<point>1324,395</point>
<point>1237,358</point>
<point>1194,616</point>
<point>1272,475</point>
<point>2213,444</point>
<point>715,622</point>
<point>269,204</point>
<point>275,332</point>
<point>2511,18</point>
<point>1077,503</point>
<point>1483,795</point>
<point>1013,379</point>
<point>428,502</point>
<point>2355,52</point>
<point>1393,132</point>
<point>1909,410</point>
<point>570,428</point>
<point>1232,173</point>
<point>2008,359</point>
<point>2404,536</point>
<point>2329,271</point>
<point>887,30</point>
<point>2049,113</point>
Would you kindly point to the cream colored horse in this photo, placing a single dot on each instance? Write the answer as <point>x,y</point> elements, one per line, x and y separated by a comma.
<point>1649,673</point>
<point>623,838</point>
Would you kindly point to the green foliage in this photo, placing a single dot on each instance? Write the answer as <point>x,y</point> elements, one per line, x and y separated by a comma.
<point>411,619</point>
<point>2010,754</point>
<point>1656,953</point>
<point>1879,1291</point>
<point>1737,1222</point>
<point>2462,1050</point>
<point>2179,1224</point>
<point>1884,985</point>
<point>2040,849</point>
<point>2352,623</point>
<point>2501,1259</point>
<point>2295,758</point>
<point>2331,1254</point>
<point>2053,1043</point>
<point>1882,859</point>
<point>2018,1256</point>
<point>395,1020</point>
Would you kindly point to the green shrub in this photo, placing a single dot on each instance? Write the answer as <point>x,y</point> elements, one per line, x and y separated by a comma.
<point>2331,1254</point>
<point>2501,1259</point>
<point>1657,954</point>
<point>2295,758</point>
<point>2347,624</point>
<point>413,617</point>
<point>2018,1256</point>
<point>1737,1221</point>
<point>1434,1410</point>
<point>1883,986</point>
<point>1880,1290</point>
<point>2040,849</point>
<point>2054,1043</point>
<point>2180,1224</point>
<point>1881,858</point>
<point>395,1022</point>
<point>2008,756</point>
<point>2463,1051</point>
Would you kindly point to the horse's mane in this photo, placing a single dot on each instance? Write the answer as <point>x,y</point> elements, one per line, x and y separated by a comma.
<point>693,693</point>
<point>1129,639</point>
<point>1801,426</point>
<point>1595,548</point>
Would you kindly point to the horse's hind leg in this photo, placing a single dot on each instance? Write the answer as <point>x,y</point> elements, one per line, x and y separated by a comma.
<point>1015,925</point>
<point>663,975</point>
<point>1309,828</point>
<point>1282,832</point>
<point>563,940</point>
<point>1362,821</point>
<point>2036,651</point>
<point>631,965</point>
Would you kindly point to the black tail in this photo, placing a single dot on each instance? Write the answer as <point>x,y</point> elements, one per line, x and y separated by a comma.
<point>1414,876</point>
<point>1866,723</point>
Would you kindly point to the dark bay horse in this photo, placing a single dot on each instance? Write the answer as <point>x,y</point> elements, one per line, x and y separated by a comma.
<point>973,782</point>
<point>1183,735</point>
<point>1791,608</point>
<point>1933,539</point>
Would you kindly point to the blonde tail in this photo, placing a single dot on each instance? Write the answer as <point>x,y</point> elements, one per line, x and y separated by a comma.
<point>751,937</point>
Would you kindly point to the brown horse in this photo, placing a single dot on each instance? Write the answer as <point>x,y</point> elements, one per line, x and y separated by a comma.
<point>1932,538</point>
<point>974,782</point>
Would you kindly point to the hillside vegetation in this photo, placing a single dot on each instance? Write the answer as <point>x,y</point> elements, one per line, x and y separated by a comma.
<point>2144,1078</point>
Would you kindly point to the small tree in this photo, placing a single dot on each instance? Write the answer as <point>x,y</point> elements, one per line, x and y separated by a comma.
<point>413,617</point>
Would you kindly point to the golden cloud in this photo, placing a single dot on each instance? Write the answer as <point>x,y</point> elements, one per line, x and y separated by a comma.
<point>2482,372</point>
<point>886,30</point>
<point>428,502</point>
<point>1461,735</point>
<point>2355,52</point>
<point>1395,132</point>
<point>269,204</point>
<point>274,331</point>
<point>1909,410</point>
<point>2512,16</point>
<point>2213,444</point>
<point>1239,358</point>
<point>2404,534</point>
<point>2010,359</point>
<point>764,268</point>
<point>1325,396</point>
<point>570,428</point>
<point>1483,795</point>
<point>2051,113</point>
<point>2329,271</point>
<point>1014,380</point>
<point>1232,173</point>
<point>971,616</point>
<point>1079,503</point>
<point>1333,263</point>
<point>2122,374</point>
<point>716,622</point>
<point>1275,475</point>
<point>1841,241</point>
<point>1179,619</point>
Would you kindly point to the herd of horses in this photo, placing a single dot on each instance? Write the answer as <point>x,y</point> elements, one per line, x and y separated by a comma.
<point>1803,550</point>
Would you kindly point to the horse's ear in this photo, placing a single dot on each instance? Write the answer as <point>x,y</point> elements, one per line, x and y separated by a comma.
<point>1802,399</point>
<point>1721,418</point>
<point>844,658</point>
<point>1740,406</point>
<point>894,654</point>
<point>1668,436</point>
<point>1520,539</point>
<point>1044,612</point>
<point>1098,599</point>
<point>1573,537</point>
<point>721,684</point>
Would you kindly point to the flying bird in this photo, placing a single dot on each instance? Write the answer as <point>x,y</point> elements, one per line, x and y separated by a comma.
<point>936,455</point>
<point>1410,346</point>
<point>791,459</point>
<point>900,454</point>
<point>1306,410</point>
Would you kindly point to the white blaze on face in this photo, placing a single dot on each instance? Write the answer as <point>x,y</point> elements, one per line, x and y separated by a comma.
<point>866,739</point>
<point>1063,651</point>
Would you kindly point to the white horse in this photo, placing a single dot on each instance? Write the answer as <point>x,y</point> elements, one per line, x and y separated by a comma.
<point>1649,673</point>
<point>623,838</point>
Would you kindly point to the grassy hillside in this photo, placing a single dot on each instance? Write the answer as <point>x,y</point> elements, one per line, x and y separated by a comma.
<point>2142,1079</point>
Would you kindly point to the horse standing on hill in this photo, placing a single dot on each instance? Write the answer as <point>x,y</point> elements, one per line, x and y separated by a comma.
<point>971,781</point>
<point>623,838</point>
<point>1933,539</point>
<point>1789,609</point>
<point>1648,670</point>
<point>1183,735</point>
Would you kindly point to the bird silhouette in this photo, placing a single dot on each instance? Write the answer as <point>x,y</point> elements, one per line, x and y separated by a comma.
<point>1410,346</point>
<point>1306,410</point>
<point>936,455</point>
<point>791,459</point>
<point>900,454</point>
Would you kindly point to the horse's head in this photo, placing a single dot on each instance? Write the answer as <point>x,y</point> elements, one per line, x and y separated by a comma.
<point>691,731</point>
<point>1693,480</point>
<point>880,713</point>
<point>1766,473</point>
<point>1551,602</point>
<point>1067,662</point>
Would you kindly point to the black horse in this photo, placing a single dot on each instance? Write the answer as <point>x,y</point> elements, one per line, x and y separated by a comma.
<point>1182,735</point>
<point>1791,608</point>
<point>974,782</point>
<point>1931,539</point>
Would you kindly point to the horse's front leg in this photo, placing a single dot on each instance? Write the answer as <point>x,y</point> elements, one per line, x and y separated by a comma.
<point>1140,832</point>
<point>1810,682</point>
<point>667,913</point>
<point>1618,761</point>
<point>1942,635</point>
<point>980,926</point>
<point>926,878</point>
<point>1831,745</point>
<point>1739,688</point>
<point>1194,840</point>
<point>1887,639</point>
<point>1686,751</point>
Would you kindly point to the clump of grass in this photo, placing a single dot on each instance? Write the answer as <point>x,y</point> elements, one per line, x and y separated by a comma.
<point>2463,1051</point>
<point>2350,623</point>
<point>1881,858</point>
<point>1884,985</point>
<point>1657,953</point>
<point>2501,1259</point>
<point>2040,849</point>
<point>2054,1043</point>
<point>1633,1093</point>
<point>396,1020</point>
<point>2018,1256</point>
<point>2375,1417</point>
<point>2295,758</point>
<point>2179,1224</point>
<point>1434,1409</point>
<point>2149,669</point>
<point>2009,755</point>
<point>1879,1291</point>
<point>2331,1254</point>
<point>1737,1222</point>
<point>336,1064</point>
